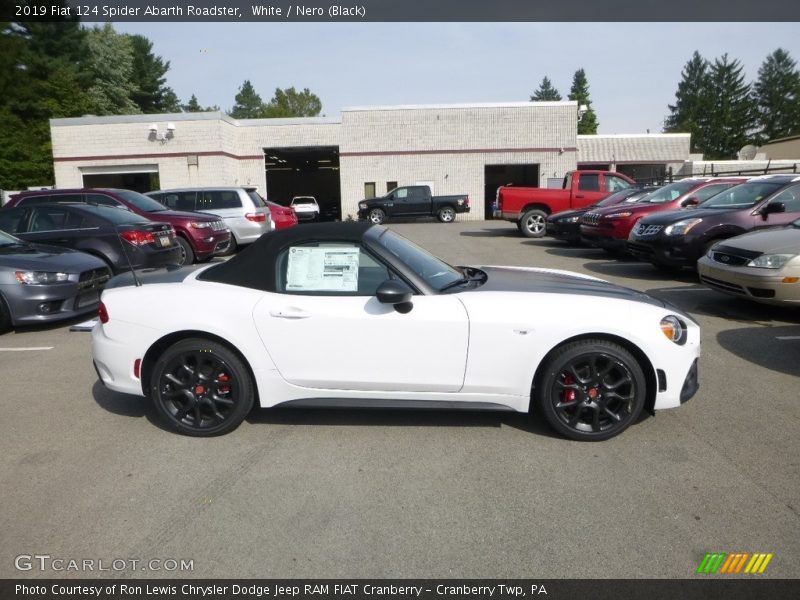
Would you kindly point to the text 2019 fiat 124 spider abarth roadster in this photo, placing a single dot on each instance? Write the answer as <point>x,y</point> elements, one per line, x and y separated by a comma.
<point>353,314</point>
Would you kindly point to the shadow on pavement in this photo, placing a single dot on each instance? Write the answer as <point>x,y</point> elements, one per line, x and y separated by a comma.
<point>764,347</point>
<point>633,269</point>
<point>494,232</point>
<point>126,405</point>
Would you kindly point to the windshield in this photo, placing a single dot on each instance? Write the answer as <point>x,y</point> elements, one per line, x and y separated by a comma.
<point>116,215</point>
<point>256,198</point>
<point>297,201</point>
<point>742,196</point>
<point>621,196</point>
<point>9,240</point>
<point>670,192</point>
<point>436,273</point>
<point>140,201</point>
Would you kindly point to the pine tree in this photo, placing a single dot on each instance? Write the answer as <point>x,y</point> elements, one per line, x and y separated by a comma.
<point>580,93</point>
<point>777,94</point>
<point>194,106</point>
<point>151,94</point>
<point>546,92</point>
<point>692,102</point>
<point>291,103</point>
<point>248,103</point>
<point>731,120</point>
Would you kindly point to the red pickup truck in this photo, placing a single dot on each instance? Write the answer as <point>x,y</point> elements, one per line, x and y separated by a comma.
<point>528,207</point>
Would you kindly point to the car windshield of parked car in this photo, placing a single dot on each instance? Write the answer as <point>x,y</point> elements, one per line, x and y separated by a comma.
<point>297,201</point>
<point>670,192</point>
<point>9,240</point>
<point>257,200</point>
<point>621,196</point>
<point>742,196</point>
<point>436,273</point>
<point>141,201</point>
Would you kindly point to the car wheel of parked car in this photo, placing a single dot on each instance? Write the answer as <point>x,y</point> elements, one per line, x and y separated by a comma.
<point>187,254</point>
<point>446,214</point>
<point>533,223</point>
<point>377,216</point>
<point>201,388</point>
<point>5,316</point>
<point>590,390</point>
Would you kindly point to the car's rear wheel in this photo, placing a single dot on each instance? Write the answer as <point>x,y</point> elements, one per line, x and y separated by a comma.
<point>446,214</point>
<point>377,216</point>
<point>533,223</point>
<point>590,390</point>
<point>187,254</point>
<point>201,388</point>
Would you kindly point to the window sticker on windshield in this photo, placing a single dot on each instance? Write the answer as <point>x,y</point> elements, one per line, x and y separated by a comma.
<point>315,269</point>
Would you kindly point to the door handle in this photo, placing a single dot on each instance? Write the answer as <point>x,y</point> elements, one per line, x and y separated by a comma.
<point>289,313</point>
<point>579,195</point>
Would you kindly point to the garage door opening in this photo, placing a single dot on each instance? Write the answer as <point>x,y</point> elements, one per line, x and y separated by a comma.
<point>305,171</point>
<point>139,178</point>
<point>496,175</point>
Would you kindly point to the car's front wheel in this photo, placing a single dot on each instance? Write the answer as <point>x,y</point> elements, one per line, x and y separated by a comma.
<point>590,390</point>
<point>377,216</point>
<point>201,388</point>
<point>187,254</point>
<point>533,223</point>
<point>5,316</point>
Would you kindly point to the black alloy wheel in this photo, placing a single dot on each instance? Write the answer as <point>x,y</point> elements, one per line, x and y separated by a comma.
<point>201,388</point>
<point>591,390</point>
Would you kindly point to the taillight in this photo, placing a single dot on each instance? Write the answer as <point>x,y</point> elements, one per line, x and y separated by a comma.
<point>137,237</point>
<point>466,202</point>
<point>256,217</point>
<point>102,312</point>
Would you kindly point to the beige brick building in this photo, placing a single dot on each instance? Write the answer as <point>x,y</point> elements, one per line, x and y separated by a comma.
<point>471,148</point>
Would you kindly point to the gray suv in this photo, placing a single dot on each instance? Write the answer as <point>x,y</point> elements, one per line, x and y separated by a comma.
<point>243,210</point>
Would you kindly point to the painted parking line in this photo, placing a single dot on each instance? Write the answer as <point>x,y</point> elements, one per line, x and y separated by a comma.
<point>787,337</point>
<point>31,349</point>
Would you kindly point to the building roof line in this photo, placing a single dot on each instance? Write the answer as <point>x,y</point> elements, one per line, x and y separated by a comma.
<point>560,103</point>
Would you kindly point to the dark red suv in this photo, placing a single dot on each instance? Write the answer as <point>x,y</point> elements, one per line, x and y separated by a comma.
<point>200,236</point>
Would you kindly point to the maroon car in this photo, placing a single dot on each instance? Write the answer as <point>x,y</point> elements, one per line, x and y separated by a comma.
<point>199,236</point>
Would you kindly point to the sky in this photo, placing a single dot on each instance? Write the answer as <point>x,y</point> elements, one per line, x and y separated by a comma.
<point>633,69</point>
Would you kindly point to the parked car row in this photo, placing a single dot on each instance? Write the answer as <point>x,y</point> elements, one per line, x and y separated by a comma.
<point>703,223</point>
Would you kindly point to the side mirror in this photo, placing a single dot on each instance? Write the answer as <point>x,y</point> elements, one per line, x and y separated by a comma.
<point>690,201</point>
<point>773,207</point>
<point>397,293</point>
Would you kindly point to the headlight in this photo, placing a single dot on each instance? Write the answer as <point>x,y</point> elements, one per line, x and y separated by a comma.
<point>574,219</point>
<point>40,277</point>
<point>619,215</point>
<point>674,329</point>
<point>200,224</point>
<point>681,227</point>
<point>771,261</point>
<point>362,205</point>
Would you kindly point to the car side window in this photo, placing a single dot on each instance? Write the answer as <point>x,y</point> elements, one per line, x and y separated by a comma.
<point>12,220</point>
<point>401,194</point>
<point>219,199</point>
<point>790,198</point>
<point>51,218</point>
<point>329,269</point>
<point>102,200</point>
<point>178,200</point>
<point>589,183</point>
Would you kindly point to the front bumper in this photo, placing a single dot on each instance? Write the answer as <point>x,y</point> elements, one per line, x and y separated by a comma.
<point>205,245</point>
<point>564,230</point>
<point>601,238</point>
<point>753,283</point>
<point>672,251</point>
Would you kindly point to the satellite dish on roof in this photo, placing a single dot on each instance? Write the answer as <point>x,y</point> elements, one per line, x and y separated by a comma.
<point>748,152</point>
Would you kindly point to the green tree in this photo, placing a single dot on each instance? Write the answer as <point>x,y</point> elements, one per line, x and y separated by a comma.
<point>111,68</point>
<point>291,103</point>
<point>692,102</point>
<point>248,103</point>
<point>194,106</point>
<point>546,92</point>
<point>777,94</point>
<point>150,93</point>
<point>580,93</point>
<point>731,120</point>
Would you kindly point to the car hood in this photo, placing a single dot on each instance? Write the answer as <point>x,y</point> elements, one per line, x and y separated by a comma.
<point>673,216</point>
<point>778,240</point>
<point>170,215</point>
<point>548,281</point>
<point>40,257</point>
<point>566,214</point>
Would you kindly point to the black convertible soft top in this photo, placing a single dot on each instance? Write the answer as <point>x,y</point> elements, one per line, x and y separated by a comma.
<point>254,267</point>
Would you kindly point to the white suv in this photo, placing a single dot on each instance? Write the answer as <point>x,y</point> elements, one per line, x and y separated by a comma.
<point>243,210</point>
<point>306,208</point>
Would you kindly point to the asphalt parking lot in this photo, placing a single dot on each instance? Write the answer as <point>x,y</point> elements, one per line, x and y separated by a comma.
<point>89,474</point>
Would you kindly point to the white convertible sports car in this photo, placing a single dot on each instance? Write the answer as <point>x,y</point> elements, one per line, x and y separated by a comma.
<point>355,315</point>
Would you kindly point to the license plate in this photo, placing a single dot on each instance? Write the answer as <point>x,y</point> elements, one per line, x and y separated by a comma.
<point>165,241</point>
<point>87,298</point>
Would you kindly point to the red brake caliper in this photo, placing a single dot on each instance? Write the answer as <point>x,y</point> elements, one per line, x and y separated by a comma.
<point>224,389</point>
<point>568,395</point>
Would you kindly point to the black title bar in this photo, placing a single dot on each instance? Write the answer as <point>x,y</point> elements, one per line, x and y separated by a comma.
<point>403,10</point>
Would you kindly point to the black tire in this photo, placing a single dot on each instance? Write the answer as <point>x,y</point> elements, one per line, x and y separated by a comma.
<point>5,316</point>
<point>446,214</point>
<point>590,390</point>
<point>376,216</point>
<point>187,254</point>
<point>533,223</point>
<point>181,386</point>
<point>231,249</point>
